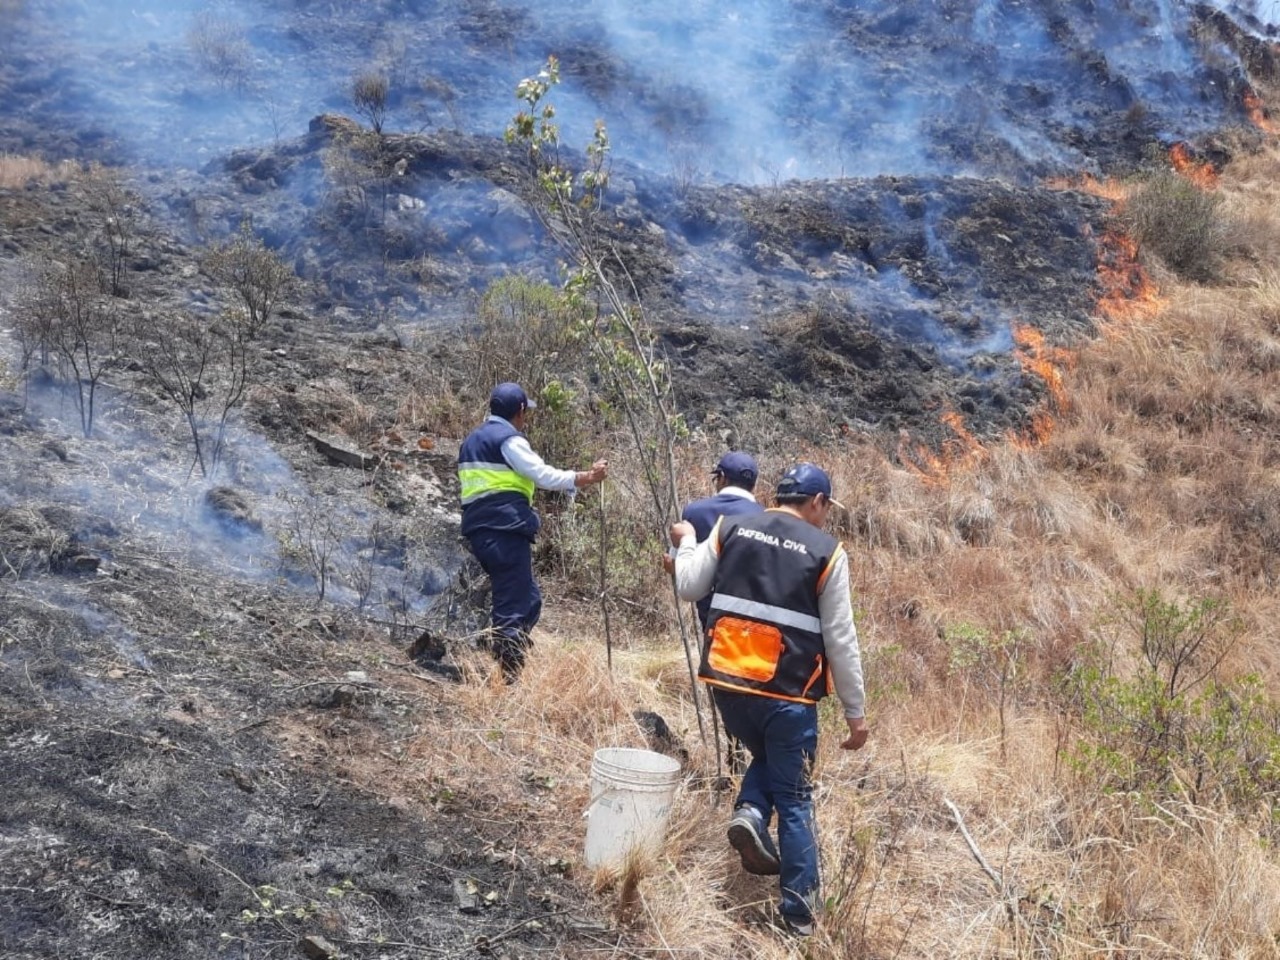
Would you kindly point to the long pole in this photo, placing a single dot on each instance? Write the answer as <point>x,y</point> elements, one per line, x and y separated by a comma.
<point>604,574</point>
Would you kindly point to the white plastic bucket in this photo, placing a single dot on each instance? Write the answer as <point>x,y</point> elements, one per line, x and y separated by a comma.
<point>631,794</point>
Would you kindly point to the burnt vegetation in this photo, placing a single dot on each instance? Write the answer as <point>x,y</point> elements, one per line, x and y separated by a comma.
<point>248,709</point>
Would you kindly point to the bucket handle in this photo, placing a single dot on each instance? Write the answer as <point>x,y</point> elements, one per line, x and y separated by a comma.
<point>586,814</point>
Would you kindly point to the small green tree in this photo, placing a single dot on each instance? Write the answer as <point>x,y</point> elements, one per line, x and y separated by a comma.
<point>625,346</point>
<point>1173,725</point>
<point>990,661</point>
<point>626,355</point>
<point>1182,642</point>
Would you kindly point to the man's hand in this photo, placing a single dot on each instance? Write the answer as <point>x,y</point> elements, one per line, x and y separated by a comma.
<point>585,478</point>
<point>668,563</point>
<point>681,529</point>
<point>857,733</point>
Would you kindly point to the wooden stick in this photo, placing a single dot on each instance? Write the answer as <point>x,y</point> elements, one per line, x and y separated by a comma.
<point>973,847</point>
<point>604,572</point>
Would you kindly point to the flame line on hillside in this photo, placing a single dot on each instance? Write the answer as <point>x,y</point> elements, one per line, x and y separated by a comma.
<point>959,453</point>
<point>1050,364</point>
<point>1128,293</point>
<point>1199,172</point>
<point>1257,112</point>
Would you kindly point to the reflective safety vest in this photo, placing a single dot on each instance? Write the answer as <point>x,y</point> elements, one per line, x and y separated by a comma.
<point>764,631</point>
<point>494,496</point>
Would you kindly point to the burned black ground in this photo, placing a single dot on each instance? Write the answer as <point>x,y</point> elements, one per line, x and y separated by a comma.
<point>191,740</point>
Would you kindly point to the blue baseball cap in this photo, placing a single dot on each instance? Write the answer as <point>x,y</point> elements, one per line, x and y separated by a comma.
<point>508,399</point>
<point>738,468</point>
<point>806,480</point>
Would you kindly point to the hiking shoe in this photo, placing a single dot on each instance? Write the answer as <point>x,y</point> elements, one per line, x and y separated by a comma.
<point>749,836</point>
<point>797,926</point>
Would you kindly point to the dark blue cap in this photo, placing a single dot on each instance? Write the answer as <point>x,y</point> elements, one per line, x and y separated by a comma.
<point>738,468</point>
<point>508,399</point>
<point>806,480</point>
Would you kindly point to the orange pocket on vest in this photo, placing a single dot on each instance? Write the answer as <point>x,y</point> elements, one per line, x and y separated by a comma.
<point>745,648</point>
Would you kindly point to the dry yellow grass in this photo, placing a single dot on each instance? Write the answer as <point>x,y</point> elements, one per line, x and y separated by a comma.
<point>18,171</point>
<point>1163,472</point>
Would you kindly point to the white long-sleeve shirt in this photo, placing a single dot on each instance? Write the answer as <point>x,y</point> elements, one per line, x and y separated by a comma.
<point>696,573</point>
<point>521,458</point>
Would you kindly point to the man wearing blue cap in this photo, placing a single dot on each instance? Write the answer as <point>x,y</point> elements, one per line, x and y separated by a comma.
<point>734,477</point>
<point>779,631</point>
<point>499,471</point>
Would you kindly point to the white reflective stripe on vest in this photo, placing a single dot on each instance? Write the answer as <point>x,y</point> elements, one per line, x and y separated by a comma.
<point>481,465</point>
<point>767,612</point>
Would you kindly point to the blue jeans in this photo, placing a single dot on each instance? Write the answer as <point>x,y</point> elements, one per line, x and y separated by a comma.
<point>783,740</point>
<point>517,602</point>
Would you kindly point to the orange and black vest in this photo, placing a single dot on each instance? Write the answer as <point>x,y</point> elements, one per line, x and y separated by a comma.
<point>764,635</point>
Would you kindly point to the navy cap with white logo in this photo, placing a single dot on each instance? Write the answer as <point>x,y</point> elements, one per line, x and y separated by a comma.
<point>508,399</point>
<point>806,480</point>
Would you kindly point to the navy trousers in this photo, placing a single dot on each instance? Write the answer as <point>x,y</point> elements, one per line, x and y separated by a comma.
<point>517,602</point>
<point>783,740</point>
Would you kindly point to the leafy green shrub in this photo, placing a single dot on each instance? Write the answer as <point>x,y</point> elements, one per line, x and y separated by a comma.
<point>1172,728</point>
<point>1180,223</point>
<point>992,662</point>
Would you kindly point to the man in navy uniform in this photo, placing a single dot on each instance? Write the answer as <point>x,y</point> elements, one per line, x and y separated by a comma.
<point>499,472</point>
<point>734,478</point>
<point>779,631</point>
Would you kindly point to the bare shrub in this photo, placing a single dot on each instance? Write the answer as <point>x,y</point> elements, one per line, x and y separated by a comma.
<point>220,49</point>
<point>254,273</point>
<point>311,540</point>
<point>66,317</point>
<point>201,366</point>
<point>687,159</point>
<point>1180,223</point>
<point>116,208</point>
<point>442,92</point>
<point>369,97</point>
<point>349,179</point>
<point>360,173</point>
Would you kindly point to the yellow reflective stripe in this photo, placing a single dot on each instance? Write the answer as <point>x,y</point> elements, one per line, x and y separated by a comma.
<point>485,480</point>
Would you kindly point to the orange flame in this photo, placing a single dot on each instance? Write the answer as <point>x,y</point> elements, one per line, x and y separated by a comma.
<point>1198,172</point>
<point>1049,364</point>
<point>1257,112</point>
<point>1037,433</point>
<point>959,453</point>
<point>1128,294</point>
<point>1107,189</point>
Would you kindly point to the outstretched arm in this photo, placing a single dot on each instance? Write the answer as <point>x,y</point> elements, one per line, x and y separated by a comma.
<point>523,460</point>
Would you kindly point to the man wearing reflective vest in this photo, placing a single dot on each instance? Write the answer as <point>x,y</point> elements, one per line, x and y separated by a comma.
<point>499,471</point>
<point>779,632</point>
